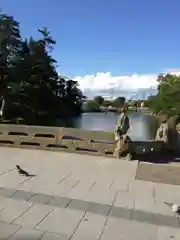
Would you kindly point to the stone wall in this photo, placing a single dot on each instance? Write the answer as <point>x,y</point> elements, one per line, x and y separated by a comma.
<point>66,139</point>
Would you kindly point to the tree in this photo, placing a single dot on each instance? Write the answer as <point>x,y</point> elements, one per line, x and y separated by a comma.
<point>99,100</point>
<point>167,99</point>
<point>107,103</point>
<point>73,98</point>
<point>33,87</point>
<point>92,106</point>
<point>36,79</point>
<point>119,102</point>
<point>10,40</point>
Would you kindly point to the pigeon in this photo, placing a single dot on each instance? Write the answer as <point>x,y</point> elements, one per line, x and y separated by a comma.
<point>23,172</point>
<point>174,207</point>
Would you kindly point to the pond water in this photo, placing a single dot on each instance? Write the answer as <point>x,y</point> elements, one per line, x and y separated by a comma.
<point>142,127</point>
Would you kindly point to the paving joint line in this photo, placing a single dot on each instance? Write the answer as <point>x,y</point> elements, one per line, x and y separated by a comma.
<point>94,183</point>
<point>154,195</point>
<point>64,178</point>
<point>74,186</point>
<point>25,180</point>
<point>77,226</point>
<point>111,184</point>
<point>10,170</point>
<point>35,227</point>
<point>70,201</point>
<point>132,210</point>
<point>107,216</point>
<point>11,235</point>
<point>22,213</point>
<point>29,199</point>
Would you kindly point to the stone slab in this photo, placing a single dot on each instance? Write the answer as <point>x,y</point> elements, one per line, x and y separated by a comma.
<point>22,195</point>
<point>90,228</point>
<point>100,195</point>
<point>128,230</point>
<point>123,207</point>
<point>62,221</point>
<point>67,185</point>
<point>77,204</point>
<point>120,212</point>
<point>138,203</point>
<point>12,209</point>
<point>40,198</point>
<point>61,202</point>
<point>33,216</point>
<point>81,189</point>
<point>166,233</point>
<point>125,200</point>
<point>7,230</point>
<point>54,236</point>
<point>12,179</point>
<point>167,192</point>
<point>165,173</point>
<point>25,233</point>
<point>7,192</point>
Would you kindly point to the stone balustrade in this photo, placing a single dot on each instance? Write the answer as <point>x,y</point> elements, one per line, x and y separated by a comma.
<point>67,139</point>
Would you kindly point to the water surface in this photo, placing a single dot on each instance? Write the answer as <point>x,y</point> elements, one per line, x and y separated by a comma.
<point>142,127</point>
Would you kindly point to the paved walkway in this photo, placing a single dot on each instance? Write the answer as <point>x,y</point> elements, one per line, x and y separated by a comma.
<point>81,197</point>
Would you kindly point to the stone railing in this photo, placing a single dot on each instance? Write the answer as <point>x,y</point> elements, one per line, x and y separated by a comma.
<point>66,139</point>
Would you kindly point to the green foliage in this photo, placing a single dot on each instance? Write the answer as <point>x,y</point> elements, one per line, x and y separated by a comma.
<point>119,102</point>
<point>30,85</point>
<point>107,103</point>
<point>99,100</point>
<point>167,99</point>
<point>99,104</point>
<point>92,106</point>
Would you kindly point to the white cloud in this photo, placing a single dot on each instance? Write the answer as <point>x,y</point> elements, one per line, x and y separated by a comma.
<point>107,85</point>
<point>105,81</point>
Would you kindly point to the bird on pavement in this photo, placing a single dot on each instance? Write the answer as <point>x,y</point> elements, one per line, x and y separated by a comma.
<point>174,207</point>
<point>23,172</point>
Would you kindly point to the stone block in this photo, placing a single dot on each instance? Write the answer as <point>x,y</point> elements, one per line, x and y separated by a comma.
<point>124,199</point>
<point>40,198</point>
<point>168,221</point>
<point>7,192</point>
<point>146,217</point>
<point>62,221</point>
<point>66,185</point>
<point>131,230</point>
<point>7,230</point>
<point>22,195</point>
<point>103,196</point>
<point>101,209</point>
<point>54,236</point>
<point>33,216</point>
<point>77,204</point>
<point>25,233</point>
<point>120,212</point>
<point>11,179</point>
<point>166,233</point>
<point>81,189</point>
<point>60,202</point>
<point>90,228</point>
<point>13,209</point>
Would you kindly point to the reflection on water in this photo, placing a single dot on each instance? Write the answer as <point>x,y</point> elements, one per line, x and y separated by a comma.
<point>143,127</point>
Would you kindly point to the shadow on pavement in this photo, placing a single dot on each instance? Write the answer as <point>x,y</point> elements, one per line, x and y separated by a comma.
<point>159,158</point>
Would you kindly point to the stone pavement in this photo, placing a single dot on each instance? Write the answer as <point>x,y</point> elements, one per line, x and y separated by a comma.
<point>164,173</point>
<point>81,197</point>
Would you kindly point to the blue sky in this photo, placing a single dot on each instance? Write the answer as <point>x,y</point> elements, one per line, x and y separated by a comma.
<point>122,37</point>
